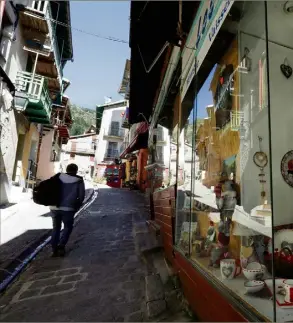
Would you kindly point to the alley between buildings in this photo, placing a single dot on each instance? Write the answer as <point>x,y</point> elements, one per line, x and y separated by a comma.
<point>102,278</point>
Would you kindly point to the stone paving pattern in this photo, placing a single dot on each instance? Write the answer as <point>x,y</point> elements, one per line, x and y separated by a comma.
<point>22,225</point>
<point>101,279</point>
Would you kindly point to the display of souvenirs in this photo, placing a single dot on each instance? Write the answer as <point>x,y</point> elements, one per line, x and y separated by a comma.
<point>283,254</point>
<point>284,292</point>
<point>220,249</point>
<point>187,235</point>
<point>229,268</point>
<point>226,200</point>
<point>260,159</point>
<point>287,167</point>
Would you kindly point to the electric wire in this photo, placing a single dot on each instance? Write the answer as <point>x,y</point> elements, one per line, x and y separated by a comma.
<point>87,32</point>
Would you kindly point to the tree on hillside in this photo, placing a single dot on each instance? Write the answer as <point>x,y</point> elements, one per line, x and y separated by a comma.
<point>83,118</point>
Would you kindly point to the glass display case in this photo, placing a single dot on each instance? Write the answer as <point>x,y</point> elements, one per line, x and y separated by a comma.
<point>234,209</point>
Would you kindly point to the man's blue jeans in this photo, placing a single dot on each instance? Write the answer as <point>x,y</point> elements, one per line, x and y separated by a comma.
<point>59,217</point>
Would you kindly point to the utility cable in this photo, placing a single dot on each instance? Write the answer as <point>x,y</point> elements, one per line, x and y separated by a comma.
<point>87,32</point>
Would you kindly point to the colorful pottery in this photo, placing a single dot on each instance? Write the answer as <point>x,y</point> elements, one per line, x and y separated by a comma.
<point>254,286</point>
<point>229,268</point>
<point>254,266</point>
<point>253,274</point>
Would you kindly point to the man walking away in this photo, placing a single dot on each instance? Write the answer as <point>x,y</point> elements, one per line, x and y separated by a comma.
<point>72,193</point>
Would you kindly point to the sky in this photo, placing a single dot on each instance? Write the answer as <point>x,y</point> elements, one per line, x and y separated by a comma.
<point>98,65</point>
<point>203,99</point>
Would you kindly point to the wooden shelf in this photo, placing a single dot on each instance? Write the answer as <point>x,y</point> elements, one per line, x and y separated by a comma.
<point>243,218</point>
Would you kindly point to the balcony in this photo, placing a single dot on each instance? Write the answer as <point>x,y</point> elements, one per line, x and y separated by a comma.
<point>115,132</point>
<point>32,96</point>
<point>39,34</point>
<point>237,119</point>
<point>112,153</point>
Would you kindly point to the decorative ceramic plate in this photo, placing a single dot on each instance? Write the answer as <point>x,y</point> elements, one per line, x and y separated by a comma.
<point>287,167</point>
<point>260,159</point>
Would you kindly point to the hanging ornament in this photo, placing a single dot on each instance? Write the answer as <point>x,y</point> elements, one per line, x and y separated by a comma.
<point>286,69</point>
<point>260,158</point>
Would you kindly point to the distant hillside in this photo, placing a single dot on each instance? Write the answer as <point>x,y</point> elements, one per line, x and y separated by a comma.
<point>83,118</point>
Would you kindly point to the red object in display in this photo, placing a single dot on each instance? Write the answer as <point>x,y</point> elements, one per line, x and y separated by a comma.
<point>290,165</point>
<point>204,299</point>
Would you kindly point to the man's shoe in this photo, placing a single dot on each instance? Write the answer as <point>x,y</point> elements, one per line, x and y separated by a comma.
<point>61,251</point>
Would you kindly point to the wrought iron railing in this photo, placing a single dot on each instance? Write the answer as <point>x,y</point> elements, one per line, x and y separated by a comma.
<point>44,8</point>
<point>236,120</point>
<point>36,88</point>
<point>114,132</point>
<point>40,6</point>
<point>112,153</point>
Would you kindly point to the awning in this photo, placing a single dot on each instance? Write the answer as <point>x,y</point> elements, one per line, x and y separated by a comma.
<point>149,34</point>
<point>140,141</point>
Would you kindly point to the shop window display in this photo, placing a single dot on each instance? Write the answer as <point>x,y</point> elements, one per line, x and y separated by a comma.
<point>234,204</point>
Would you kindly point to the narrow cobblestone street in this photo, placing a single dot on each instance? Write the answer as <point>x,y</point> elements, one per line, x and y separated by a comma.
<point>102,277</point>
<point>23,225</point>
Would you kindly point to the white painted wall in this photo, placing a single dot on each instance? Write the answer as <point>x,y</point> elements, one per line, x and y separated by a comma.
<point>166,146</point>
<point>281,99</point>
<point>83,163</point>
<point>46,168</point>
<point>18,57</point>
<point>16,60</point>
<point>109,115</point>
<point>82,144</point>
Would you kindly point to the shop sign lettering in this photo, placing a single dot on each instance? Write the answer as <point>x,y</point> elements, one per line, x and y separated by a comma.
<point>203,20</point>
<point>218,21</point>
<point>209,22</point>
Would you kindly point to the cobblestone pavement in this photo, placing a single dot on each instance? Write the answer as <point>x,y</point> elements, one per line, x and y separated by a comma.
<point>21,225</point>
<point>100,279</point>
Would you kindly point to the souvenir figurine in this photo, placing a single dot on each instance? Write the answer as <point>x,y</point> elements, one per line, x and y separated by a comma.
<point>226,200</point>
<point>220,250</point>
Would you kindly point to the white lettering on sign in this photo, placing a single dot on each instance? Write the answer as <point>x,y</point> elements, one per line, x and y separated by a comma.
<point>204,19</point>
<point>214,17</point>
